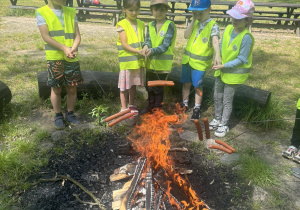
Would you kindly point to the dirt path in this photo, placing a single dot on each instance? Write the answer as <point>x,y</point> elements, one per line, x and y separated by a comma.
<point>266,145</point>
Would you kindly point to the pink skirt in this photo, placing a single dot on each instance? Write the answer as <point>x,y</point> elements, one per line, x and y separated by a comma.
<point>127,78</point>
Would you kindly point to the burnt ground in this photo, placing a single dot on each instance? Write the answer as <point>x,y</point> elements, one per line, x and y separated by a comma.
<point>91,161</point>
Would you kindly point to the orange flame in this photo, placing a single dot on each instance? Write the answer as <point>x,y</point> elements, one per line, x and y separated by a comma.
<point>151,140</point>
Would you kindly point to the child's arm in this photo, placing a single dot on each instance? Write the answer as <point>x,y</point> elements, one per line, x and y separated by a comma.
<point>165,44</point>
<point>242,57</point>
<point>123,39</point>
<point>49,40</point>
<point>76,41</point>
<point>188,31</point>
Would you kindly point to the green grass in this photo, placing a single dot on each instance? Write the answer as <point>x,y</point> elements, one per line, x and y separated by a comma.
<point>256,170</point>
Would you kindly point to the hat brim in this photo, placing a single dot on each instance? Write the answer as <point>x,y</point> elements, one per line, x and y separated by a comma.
<point>235,14</point>
<point>196,9</point>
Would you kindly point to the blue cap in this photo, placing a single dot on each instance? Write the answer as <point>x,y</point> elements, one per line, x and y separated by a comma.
<point>199,5</point>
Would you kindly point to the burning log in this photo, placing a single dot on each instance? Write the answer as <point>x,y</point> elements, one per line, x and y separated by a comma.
<point>126,202</point>
<point>206,126</point>
<point>150,193</point>
<point>162,179</point>
<point>178,149</point>
<point>166,205</point>
<point>199,130</point>
<point>158,200</point>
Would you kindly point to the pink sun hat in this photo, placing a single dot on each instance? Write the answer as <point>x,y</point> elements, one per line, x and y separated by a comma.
<point>242,9</point>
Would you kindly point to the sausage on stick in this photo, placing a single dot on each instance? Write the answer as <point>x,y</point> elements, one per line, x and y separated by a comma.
<point>207,132</point>
<point>220,148</point>
<point>120,119</point>
<point>117,115</point>
<point>199,130</point>
<point>225,145</point>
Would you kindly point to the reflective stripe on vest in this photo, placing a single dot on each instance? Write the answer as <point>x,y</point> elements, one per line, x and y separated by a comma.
<point>129,60</point>
<point>161,62</point>
<point>298,104</point>
<point>199,51</point>
<point>62,35</point>
<point>230,52</point>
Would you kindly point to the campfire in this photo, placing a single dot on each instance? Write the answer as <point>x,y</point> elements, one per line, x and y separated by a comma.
<point>155,183</point>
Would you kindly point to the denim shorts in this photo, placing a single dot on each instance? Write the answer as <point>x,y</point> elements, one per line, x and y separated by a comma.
<point>61,72</point>
<point>188,74</point>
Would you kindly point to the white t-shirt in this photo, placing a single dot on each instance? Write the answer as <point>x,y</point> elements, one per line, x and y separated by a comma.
<point>58,12</point>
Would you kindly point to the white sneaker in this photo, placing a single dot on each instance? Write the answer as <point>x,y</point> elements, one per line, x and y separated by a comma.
<point>213,125</point>
<point>222,130</point>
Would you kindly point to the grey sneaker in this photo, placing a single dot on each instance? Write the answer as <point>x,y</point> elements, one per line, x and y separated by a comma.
<point>221,131</point>
<point>297,157</point>
<point>71,118</point>
<point>59,121</point>
<point>196,114</point>
<point>213,125</point>
<point>290,152</point>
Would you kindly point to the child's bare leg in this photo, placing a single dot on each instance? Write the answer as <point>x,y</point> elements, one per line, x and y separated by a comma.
<point>71,97</point>
<point>132,91</point>
<point>198,97</point>
<point>123,97</point>
<point>55,99</point>
<point>186,91</point>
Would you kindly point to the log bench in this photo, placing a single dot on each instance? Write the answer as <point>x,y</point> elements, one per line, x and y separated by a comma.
<point>109,82</point>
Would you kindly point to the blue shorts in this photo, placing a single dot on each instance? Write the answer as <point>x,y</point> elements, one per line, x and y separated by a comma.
<point>188,74</point>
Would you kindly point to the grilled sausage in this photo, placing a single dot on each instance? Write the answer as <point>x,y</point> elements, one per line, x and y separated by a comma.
<point>117,115</point>
<point>224,149</point>
<point>225,145</point>
<point>120,119</point>
<point>199,130</point>
<point>207,132</point>
<point>160,83</point>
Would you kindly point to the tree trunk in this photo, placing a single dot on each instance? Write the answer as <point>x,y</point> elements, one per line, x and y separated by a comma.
<point>93,83</point>
<point>243,95</point>
<point>94,80</point>
<point>5,95</point>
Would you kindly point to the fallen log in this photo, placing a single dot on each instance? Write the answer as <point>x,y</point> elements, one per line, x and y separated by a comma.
<point>109,82</point>
<point>93,83</point>
<point>5,95</point>
<point>243,95</point>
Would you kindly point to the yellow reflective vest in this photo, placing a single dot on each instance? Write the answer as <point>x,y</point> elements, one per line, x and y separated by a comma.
<point>161,62</point>
<point>130,60</point>
<point>199,52</point>
<point>298,104</point>
<point>62,35</point>
<point>239,74</point>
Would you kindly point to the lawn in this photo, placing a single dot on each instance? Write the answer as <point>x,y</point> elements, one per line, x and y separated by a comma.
<point>276,61</point>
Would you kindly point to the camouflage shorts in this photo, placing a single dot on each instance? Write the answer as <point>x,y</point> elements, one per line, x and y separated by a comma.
<point>61,73</point>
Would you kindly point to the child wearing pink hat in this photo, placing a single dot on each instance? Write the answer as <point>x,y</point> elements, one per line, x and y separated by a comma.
<point>236,51</point>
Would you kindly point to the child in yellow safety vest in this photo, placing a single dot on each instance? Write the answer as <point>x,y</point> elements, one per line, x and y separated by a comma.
<point>202,47</point>
<point>293,151</point>
<point>131,56</point>
<point>236,51</point>
<point>59,29</point>
<point>159,46</point>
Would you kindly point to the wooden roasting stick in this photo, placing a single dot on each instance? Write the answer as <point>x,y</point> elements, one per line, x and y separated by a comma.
<point>117,115</point>
<point>207,132</point>
<point>199,130</point>
<point>124,117</point>
<point>224,149</point>
<point>225,145</point>
<point>160,83</point>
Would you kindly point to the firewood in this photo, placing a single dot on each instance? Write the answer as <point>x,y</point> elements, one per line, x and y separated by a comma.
<point>126,169</point>
<point>119,194</point>
<point>116,204</point>
<point>116,177</point>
